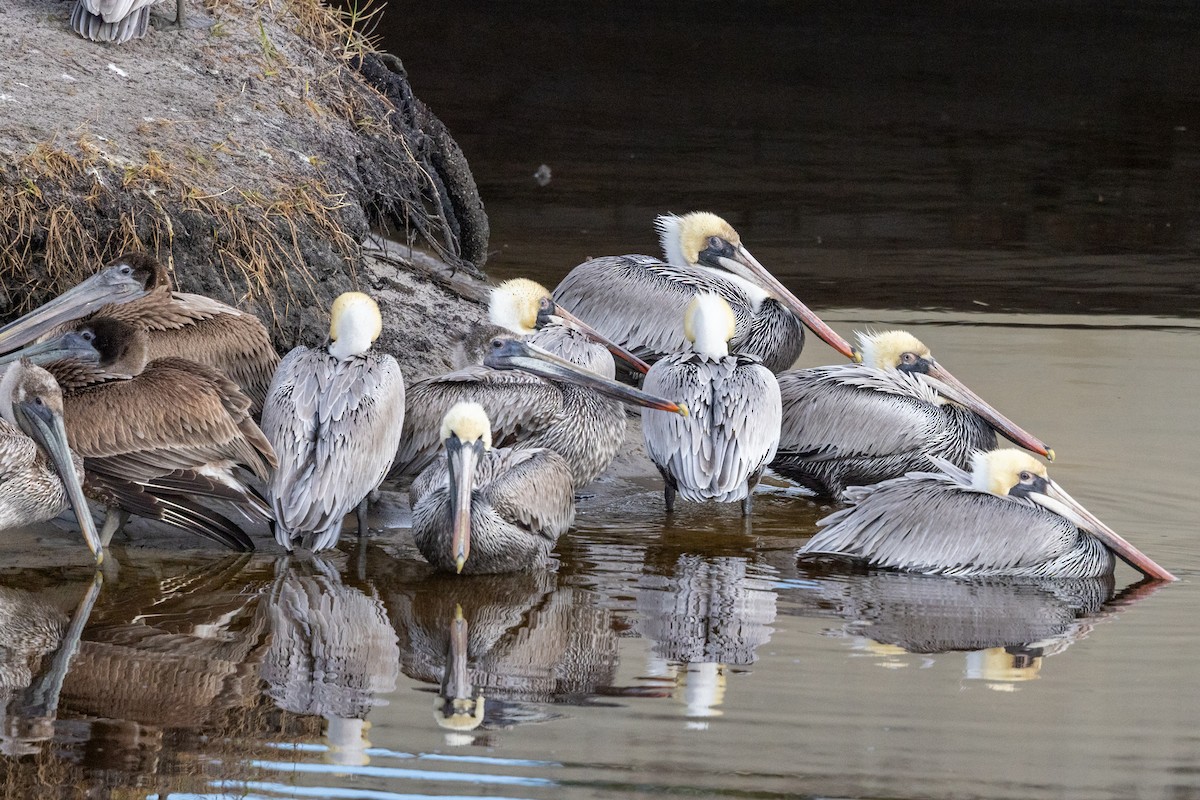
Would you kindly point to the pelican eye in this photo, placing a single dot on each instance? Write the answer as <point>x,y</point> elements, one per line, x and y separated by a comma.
<point>908,358</point>
<point>716,243</point>
<point>1025,476</point>
<point>87,335</point>
<point>126,270</point>
<point>497,343</point>
<point>38,401</point>
<point>545,304</point>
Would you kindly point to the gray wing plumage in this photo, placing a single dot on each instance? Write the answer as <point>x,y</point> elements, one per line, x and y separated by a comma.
<point>532,488</point>
<point>936,523</point>
<point>731,431</point>
<point>639,302</point>
<point>108,21</point>
<point>335,426</point>
<point>516,403</point>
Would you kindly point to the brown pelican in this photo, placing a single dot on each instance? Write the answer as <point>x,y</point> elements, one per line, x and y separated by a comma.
<point>334,417</point>
<point>720,449</point>
<point>639,302</point>
<point>153,434</point>
<point>115,21</point>
<point>857,424</point>
<point>508,506</point>
<point>1005,517</point>
<point>118,283</point>
<point>39,475</point>
<point>534,394</point>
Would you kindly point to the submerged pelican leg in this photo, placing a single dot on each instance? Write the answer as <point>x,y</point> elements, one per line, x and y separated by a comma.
<point>669,496</point>
<point>362,517</point>
<point>114,520</point>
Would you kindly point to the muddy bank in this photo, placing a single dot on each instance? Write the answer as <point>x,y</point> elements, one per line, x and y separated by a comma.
<point>254,151</point>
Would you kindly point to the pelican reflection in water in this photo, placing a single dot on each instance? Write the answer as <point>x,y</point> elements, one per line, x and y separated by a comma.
<point>639,302</point>
<point>480,509</point>
<point>334,417</point>
<point>39,474</point>
<point>858,424</point>
<point>1006,517</point>
<point>719,450</point>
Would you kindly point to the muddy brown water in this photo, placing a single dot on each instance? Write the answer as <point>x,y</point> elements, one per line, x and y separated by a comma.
<point>1017,187</point>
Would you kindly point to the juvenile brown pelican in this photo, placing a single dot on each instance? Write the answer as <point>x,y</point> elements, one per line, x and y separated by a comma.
<point>1006,517</point>
<point>482,510</point>
<point>155,433</point>
<point>858,424</point>
<point>200,329</point>
<point>719,450</point>
<point>118,283</point>
<point>545,400</point>
<point>39,475</point>
<point>334,417</point>
<point>116,21</point>
<point>639,302</point>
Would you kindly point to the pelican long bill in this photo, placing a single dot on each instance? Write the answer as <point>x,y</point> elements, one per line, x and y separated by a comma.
<point>555,310</point>
<point>69,345</point>
<point>739,261</point>
<point>514,354</point>
<point>1061,503</point>
<point>118,283</point>
<point>954,389</point>
<point>461,458</point>
<point>46,426</point>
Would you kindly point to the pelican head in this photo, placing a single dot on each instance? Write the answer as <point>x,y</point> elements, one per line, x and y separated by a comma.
<point>709,324</point>
<point>467,434</point>
<point>354,325</point>
<point>900,350</point>
<point>127,278</point>
<point>1014,473</point>
<point>458,707</point>
<point>124,348</point>
<point>524,306</point>
<point>30,399</point>
<point>704,240</point>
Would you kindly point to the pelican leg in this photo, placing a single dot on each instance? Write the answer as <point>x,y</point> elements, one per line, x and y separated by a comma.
<point>747,503</point>
<point>669,496</point>
<point>751,485</point>
<point>362,518</point>
<point>114,519</point>
<point>178,13</point>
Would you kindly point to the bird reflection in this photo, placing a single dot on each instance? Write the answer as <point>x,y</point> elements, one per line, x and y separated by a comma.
<point>496,643</point>
<point>707,615</point>
<point>333,651</point>
<point>1007,627</point>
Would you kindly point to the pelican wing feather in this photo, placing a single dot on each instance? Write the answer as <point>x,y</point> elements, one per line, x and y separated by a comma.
<point>938,524</point>
<point>639,302</point>
<point>531,488</point>
<point>516,403</point>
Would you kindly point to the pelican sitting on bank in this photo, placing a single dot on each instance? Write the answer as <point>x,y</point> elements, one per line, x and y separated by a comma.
<point>116,21</point>
<point>858,424</point>
<point>718,452</point>
<point>1005,517</point>
<point>39,475</point>
<point>334,417</point>
<point>481,510</point>
<point>639,301</point>
<point>544,384</point>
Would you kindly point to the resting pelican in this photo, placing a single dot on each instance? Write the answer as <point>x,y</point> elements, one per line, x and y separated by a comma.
<point>200,329</point>
<point>116,21</point>
<point>334,417</point>
<point>118,283</point>
<point>857,424</point>
<point>481,510</point>
<point>546,400</point>
<point>720,449</point>
<point>1005,517</point>
<point>639,302</point>
<point>154,434</point>
<point>39,475</point>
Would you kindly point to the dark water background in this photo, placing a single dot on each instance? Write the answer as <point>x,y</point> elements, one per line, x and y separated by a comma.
<point>1017,183</point>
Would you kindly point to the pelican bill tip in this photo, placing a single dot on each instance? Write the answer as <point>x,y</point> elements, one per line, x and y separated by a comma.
<point>1050,454</point>
<point>857,357</point>
<point>683,410</point>
<point>458,564</point>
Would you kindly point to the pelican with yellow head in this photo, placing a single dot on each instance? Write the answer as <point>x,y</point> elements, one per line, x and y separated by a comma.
<point>334,417</point>
<point>719,450</point>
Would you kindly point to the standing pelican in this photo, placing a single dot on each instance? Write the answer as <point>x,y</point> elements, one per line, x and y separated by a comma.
<point>154,434</point>
<point>116,21</point>
<point>480,510</point>
<point>551,398</point>
<point>720,449</point>
<point>857,424</point>
<point>1005,517</point>
<point>39,475</point>
<point>116,284</point>
<point>639,302</point>
<point>334,417</point>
